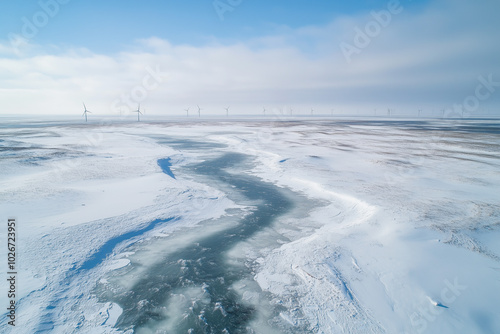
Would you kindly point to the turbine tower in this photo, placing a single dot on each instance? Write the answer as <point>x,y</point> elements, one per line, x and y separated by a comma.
<point>227,111</point>
<point>138,111</point>
<point>187,112</point>
<point>264,111</point>
<point>85,111</point>
<point>199,111</point>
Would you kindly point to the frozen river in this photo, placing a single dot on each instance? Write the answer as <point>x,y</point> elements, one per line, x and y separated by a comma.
<point>198,276</point>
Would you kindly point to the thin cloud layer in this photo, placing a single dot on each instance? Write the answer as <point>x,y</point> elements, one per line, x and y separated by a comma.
<point>430,59</point>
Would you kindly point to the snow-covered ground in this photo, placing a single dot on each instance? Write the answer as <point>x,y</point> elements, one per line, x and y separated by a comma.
<point>399,232</point>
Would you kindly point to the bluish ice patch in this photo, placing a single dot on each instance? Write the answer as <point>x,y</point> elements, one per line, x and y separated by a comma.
<point>108,247</point>
<point>45,327</point>
<point>187,144</point>
<point>165,167</point>
<point>35,160</point>
<point>49,317</point>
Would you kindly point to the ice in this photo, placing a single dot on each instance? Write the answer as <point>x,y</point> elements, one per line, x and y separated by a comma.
<point>394,226</point>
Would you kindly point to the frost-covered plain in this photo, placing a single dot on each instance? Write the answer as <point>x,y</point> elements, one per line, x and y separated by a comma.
<point>382,226</point>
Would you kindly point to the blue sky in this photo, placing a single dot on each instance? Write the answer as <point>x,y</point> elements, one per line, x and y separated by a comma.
<point>107,26</point>
<point>282,54</point>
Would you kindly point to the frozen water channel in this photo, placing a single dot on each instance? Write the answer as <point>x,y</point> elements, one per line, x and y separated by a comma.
<point>192,287</point>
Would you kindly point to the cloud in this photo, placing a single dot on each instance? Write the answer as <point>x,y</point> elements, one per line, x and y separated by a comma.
<point>426,58</point>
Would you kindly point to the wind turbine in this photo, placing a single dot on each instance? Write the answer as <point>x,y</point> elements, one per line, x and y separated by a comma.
<point>199,111</point>
<point>138,111</point>
<point>312,111</point>
<point>227,111</point>
<point>187,112</point>
<point>264,110</point>
<point>85,112</point>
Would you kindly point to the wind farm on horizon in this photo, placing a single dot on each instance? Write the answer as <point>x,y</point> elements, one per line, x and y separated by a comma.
<point>291,112</point>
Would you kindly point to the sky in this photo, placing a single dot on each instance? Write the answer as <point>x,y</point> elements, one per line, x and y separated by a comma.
<point>365,57</point>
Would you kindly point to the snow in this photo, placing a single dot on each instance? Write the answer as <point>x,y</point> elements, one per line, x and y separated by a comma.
<point>403,239</point>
